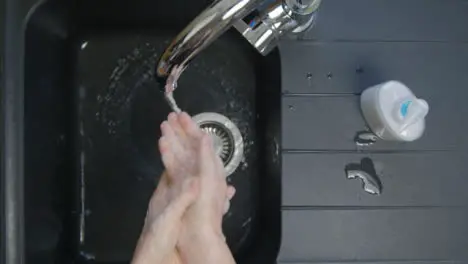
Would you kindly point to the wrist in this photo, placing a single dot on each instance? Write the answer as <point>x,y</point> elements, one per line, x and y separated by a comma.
<point>202,234</point>
<point>202,246</point>
<point>147,250</point>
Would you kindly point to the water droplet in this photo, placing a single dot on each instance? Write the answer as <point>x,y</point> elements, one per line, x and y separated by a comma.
<point>246,222</point>
<point>87,256</point>
<point>84,45</point>
<point>309,76</point>
<point>82,92</point>
<point>365,138</point>
<point>291,107</point>
<point>359,70</point>
<point>244,166</point>
<point>276,148</point>
<point>330,75</point>
<point>61,139</point>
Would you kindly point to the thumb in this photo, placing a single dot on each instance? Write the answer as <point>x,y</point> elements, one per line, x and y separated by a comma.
<point>189,193</point>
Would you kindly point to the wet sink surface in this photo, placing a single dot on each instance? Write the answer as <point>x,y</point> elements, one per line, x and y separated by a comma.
<point>93,114</point>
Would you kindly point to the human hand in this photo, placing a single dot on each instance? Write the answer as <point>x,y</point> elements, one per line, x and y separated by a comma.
<point>163,223</point>
<point>188,152</point>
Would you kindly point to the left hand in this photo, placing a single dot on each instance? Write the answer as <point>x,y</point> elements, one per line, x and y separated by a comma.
<point>163,224</point>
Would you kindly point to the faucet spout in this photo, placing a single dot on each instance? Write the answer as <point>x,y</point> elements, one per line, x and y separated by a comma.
<point>200,33</point>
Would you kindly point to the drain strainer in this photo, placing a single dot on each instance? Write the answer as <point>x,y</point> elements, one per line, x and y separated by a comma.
<point>227,139</point>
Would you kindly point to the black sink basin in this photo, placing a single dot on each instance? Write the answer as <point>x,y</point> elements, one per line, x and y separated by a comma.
<point>92,115</point>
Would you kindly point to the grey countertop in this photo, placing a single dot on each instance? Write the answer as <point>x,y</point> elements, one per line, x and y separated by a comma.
<point>421,216</point>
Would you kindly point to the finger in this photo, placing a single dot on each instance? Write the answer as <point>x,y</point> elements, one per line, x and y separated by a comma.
<point>220,167</point>
<point>231,191</point>
<point>168,132</point>
<point>189,126</point>
<point>206,156</point>
<point>177,207</point>
<point>227,206</point>
<point>175,125</point>
<point>167,155</point>
<point>207,143</point>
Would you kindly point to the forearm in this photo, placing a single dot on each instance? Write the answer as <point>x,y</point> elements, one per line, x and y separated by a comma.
<point>205,248</point>
<point>147,251</point>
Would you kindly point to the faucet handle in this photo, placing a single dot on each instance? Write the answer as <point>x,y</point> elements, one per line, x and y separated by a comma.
<point>262,37</point>
<point>303,7</point>
<point>264,30</point>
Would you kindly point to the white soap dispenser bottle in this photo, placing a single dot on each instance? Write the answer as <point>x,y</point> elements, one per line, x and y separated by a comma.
<point>393,112</point>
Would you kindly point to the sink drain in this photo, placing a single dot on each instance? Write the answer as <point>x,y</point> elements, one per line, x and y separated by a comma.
<point>227,139</point>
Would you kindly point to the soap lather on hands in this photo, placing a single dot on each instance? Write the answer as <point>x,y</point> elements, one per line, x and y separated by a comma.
<point>183,223</point>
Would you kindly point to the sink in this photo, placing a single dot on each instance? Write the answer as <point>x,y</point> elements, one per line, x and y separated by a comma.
<point>92,115</point>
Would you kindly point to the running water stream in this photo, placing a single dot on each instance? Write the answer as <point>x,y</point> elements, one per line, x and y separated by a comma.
<point>170,86</point>
<point>172,102</point>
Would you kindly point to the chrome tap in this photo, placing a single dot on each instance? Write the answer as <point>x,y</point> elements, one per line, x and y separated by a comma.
<point>267,21</point>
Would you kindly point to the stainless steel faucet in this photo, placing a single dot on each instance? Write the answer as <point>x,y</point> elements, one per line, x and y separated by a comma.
<point>261,22</point>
